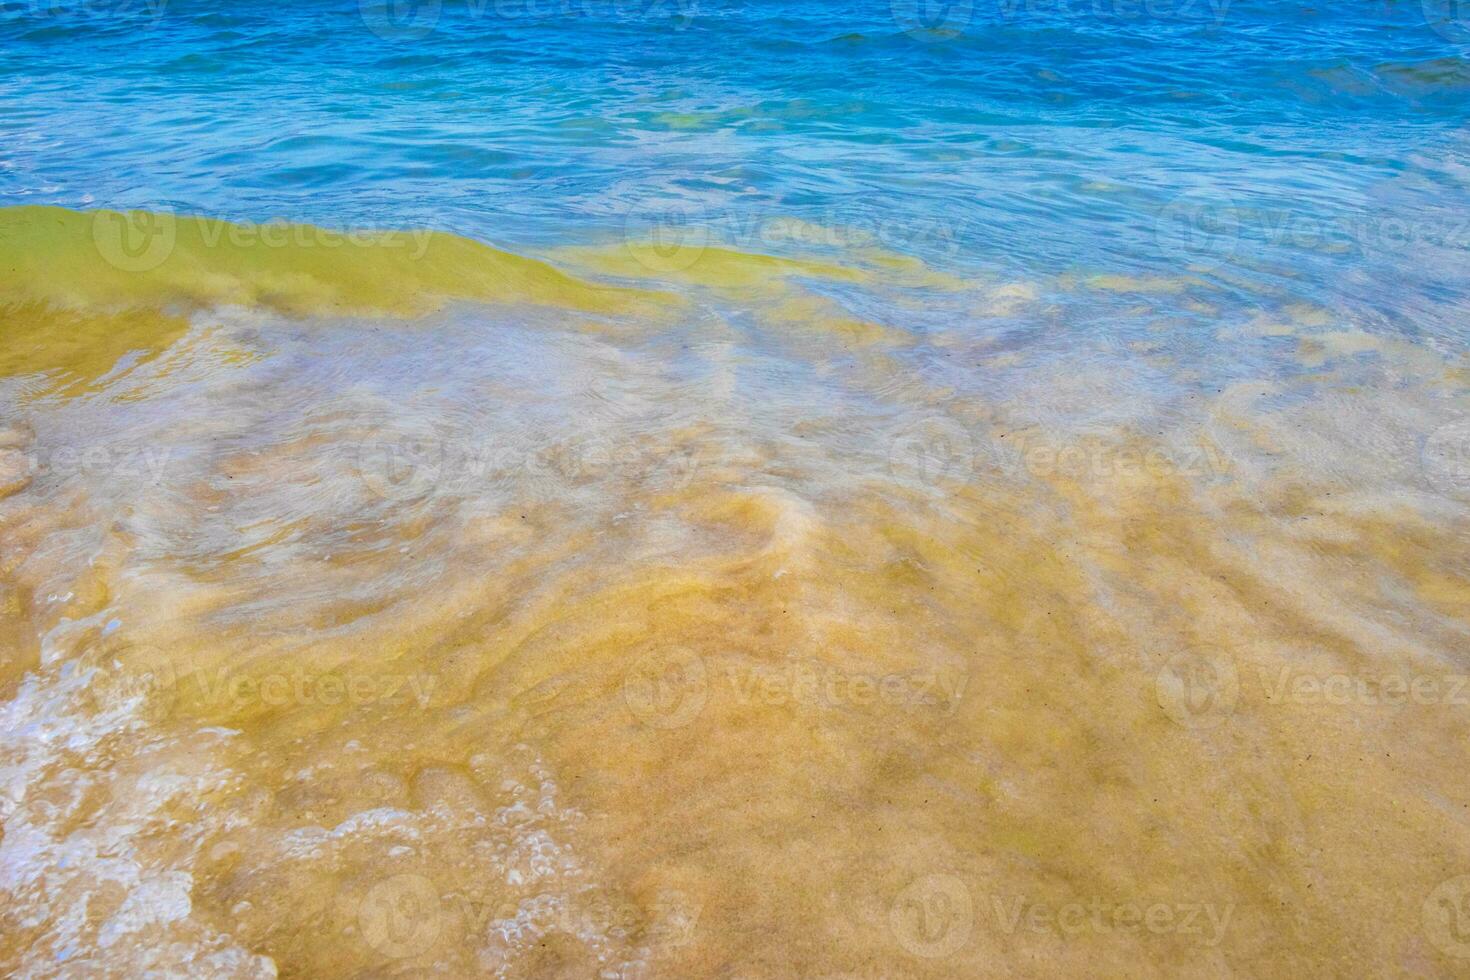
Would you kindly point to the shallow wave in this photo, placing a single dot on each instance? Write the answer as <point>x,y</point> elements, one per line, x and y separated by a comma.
<point>698,609</point>
<point>109,260</point>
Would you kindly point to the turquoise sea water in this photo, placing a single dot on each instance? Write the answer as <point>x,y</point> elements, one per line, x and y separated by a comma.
<point>1317,148</point>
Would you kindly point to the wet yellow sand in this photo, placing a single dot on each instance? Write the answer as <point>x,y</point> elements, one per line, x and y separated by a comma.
<point>560,660</point>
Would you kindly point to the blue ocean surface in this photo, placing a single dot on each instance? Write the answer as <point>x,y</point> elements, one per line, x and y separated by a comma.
<point>1316,148</point>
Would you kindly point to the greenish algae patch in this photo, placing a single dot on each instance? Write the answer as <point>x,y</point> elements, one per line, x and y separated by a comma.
<point>70,351</point>
<point>112,260</point>
<point>82,290</point>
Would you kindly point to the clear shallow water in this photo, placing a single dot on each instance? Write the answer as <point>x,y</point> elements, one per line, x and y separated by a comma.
<point>905,502</point>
